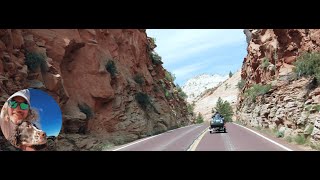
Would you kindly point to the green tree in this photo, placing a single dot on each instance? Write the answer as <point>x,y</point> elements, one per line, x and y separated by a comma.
<point>225,109</point>
<point>181,93</point>
<point>169,76</point>
<point>190,108</point>
<point>256,90</point>
<point>199,118</point>
<point>241,84</point>
<point>230,74</point>
<point>34,60</point>
<point>156,59</point>
<point>111,68</point>
<point>308,64</point>
<point>265,63</point>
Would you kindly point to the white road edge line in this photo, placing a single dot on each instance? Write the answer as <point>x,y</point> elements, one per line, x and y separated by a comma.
<point>282,146</point>
<point>178,128</point>
<point>136,142</point>
<point>148,138</point>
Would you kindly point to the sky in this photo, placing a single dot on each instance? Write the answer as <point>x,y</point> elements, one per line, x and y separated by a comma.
<point>190,52</point>
<point>49,110</point>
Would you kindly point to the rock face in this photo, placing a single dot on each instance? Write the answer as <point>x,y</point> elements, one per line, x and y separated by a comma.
<point>96,76</point>
<point>227,90</point>
<point>291,103</point>
<point>197,85</point>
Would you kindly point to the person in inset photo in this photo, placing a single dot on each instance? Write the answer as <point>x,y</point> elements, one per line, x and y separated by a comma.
<point>18,122</point>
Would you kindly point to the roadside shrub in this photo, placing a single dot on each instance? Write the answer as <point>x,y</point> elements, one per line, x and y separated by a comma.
<point>308,64</point>
<point>256,90</point>
<point>139,79</point>
<point>265,63</point>
<point>35,60</point>
<point>241,84</point>
<point>111,68</point>
<point>143,99</point>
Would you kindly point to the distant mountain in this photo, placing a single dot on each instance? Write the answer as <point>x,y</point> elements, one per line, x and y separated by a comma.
<point>195,86</point>
<point>227,90</point>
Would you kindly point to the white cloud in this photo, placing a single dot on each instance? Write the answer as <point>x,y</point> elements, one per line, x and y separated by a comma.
<point>183,71</point>
<point>176,45</point>
<point>216,59</point>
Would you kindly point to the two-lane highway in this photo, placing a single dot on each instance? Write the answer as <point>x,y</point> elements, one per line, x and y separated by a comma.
<point>197,138</point>
<point>175,140</point>
<point>238,139</point>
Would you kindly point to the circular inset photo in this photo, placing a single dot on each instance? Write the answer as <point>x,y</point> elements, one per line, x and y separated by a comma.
<point>29,118</point>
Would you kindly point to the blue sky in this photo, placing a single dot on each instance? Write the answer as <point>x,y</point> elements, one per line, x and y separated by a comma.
<point>49,110</point>
<point>190,52</point>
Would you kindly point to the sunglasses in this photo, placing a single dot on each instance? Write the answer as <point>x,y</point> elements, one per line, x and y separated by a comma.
<point>14,104</point>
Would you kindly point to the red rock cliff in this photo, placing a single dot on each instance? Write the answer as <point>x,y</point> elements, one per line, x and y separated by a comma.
<point>98,77</point>
<point>290,105</point>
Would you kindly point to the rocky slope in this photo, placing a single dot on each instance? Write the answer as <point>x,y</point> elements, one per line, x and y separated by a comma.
<point>106,82</point>
<point>194,87</point>
<point>227,90</point>
<point>291,104</point>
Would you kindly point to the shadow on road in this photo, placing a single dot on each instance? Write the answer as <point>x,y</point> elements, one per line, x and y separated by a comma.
<point>218,132</point>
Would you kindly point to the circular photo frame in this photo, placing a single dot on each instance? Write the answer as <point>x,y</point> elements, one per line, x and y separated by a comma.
<point>29,118</point>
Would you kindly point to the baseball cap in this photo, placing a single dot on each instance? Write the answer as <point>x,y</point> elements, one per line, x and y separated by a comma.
<point>25,93</point>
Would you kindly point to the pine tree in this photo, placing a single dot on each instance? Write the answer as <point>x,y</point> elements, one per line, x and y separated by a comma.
<point>225,109</point>
<point>199,118</point>
<point>230,74</point>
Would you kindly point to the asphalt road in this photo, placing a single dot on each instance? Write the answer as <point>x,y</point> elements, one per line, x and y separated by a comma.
<point>238,138</point>
<point>198,138</point>
<point>175,140</point>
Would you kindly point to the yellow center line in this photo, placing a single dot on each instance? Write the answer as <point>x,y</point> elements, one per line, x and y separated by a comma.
<point>197,141</point>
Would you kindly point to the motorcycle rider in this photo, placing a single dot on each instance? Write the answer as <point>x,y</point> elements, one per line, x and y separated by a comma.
<point>217,114</point>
